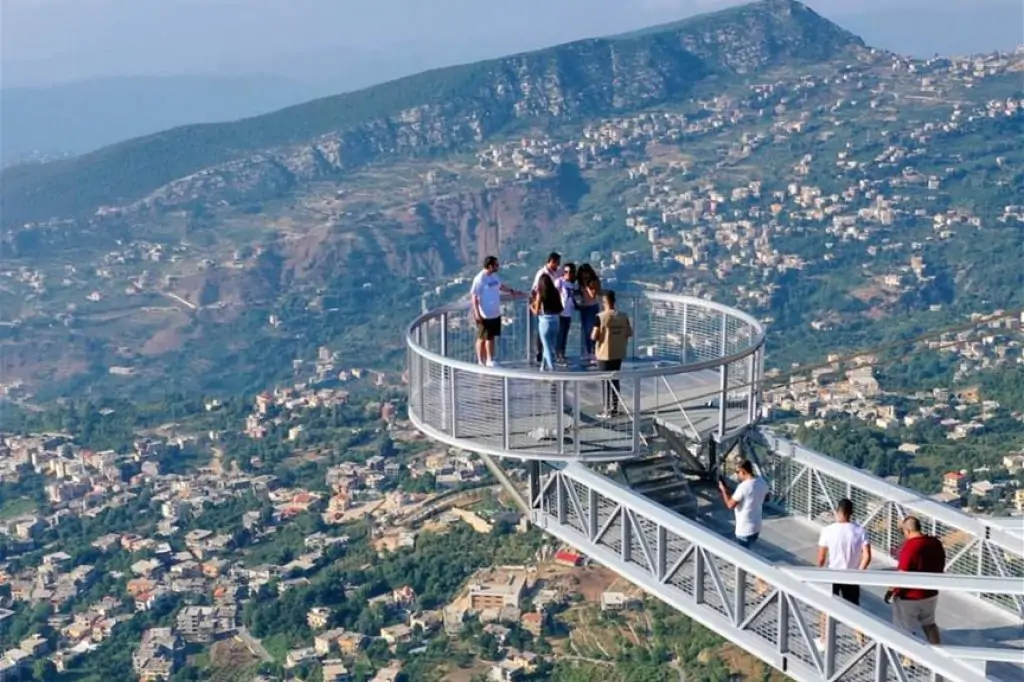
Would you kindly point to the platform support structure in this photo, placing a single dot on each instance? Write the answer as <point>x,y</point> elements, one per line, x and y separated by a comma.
<point>759,606</point>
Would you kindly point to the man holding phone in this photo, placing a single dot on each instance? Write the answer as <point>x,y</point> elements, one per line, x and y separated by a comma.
<point>746,502</point>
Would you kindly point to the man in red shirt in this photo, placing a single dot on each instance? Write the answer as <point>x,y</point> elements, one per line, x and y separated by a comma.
<point>913,608</point>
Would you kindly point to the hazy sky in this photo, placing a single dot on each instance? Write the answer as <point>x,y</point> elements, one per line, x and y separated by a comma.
<point>45,41</point>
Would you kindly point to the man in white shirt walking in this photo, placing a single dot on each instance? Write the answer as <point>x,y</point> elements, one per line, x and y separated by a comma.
<point>747,503</point>
<point>843,546</point>
<point>485,303</point>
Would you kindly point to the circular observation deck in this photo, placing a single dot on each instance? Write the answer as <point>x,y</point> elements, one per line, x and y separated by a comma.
<point>693,367</point>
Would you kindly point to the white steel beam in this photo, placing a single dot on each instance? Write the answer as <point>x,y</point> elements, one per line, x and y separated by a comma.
<point>989,655</point>
<point>944,582</point>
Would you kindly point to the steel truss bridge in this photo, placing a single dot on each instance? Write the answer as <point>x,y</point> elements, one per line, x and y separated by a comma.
<point>637,494</point>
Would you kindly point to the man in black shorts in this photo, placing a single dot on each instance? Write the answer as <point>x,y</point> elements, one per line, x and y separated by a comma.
<point>485,303</point>
<point>843,546</point>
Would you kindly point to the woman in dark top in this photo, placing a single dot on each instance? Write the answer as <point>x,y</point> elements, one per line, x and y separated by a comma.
<point>547,305</point>
<point>589,286</point>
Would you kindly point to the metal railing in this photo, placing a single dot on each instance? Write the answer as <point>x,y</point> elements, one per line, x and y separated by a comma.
<point>755,604</point>
<point>514,409</point>
<point>808,484</point>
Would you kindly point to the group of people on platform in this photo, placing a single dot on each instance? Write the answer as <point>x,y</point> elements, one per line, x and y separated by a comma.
<point>844,546</point>
<point>558,293</point>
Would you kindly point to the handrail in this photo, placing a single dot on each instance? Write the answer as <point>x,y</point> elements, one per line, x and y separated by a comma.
<point>980,527</point>
<point>658,368</point>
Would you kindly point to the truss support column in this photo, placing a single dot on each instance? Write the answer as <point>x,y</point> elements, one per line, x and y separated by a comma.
<point>526,506</point>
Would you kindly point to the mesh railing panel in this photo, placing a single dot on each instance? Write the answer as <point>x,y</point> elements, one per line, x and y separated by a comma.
<point>807,492</point>
<point>563,415</point>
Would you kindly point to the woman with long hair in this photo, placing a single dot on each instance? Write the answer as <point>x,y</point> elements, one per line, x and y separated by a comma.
<point>589,287</point>
<point>547,306</point>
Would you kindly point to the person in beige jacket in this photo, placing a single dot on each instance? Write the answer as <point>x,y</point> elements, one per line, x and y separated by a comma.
<point>611,335</point>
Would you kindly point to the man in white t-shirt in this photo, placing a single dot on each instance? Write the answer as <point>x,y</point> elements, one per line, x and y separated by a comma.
<point>485,303</point>
<point>843,546</point>
<point>747,503</point>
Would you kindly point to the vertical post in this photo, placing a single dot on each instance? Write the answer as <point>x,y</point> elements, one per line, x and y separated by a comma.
<point>686,340</point>
<point>981,556</point>
<point>739,596</point>
<point>416,377</point>
<point>533,474</point>
<point>529,336</point>
<point>421,370</point>
<point>560,499</point>
<point>637,386</point>
<point>447,419</point>
<point>723,399</point>
<point>698,575</point>
<point>752,387</point>
<point>636,328</point>
<point>455,402</point>
<point>759,368</point>
<point>661,552</point>
<point>506,420</point>
<point>830,647</point>
<point>724,379</point>
<point>809,475</point>
<point>657,394</point>
<point>560,416</point>
<point>889,513</point>
<point>577,446</point>
<point>783,622</point>
<point>627,535</point>
<point>595,518</point>
<point>881,663</point>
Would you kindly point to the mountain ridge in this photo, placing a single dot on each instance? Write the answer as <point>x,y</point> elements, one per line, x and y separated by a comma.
<point>439,110</point>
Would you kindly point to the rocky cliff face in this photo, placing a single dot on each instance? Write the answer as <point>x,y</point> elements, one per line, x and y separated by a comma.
<point>431,238</point>
<point>431,113</point>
